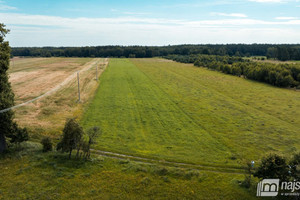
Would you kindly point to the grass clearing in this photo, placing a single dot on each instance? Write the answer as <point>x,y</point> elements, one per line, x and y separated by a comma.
<point>173,111</point>
<point>39,175</point>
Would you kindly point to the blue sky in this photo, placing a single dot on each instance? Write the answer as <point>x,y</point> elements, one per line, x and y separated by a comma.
<point>156,22</point>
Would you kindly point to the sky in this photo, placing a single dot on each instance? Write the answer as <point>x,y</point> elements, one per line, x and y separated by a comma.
<point>37,23</point>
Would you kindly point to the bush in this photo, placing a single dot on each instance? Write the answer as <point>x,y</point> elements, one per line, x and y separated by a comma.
<point>47,144</point>
<point>246,183</point>
<point>20,135</point>
<point>272,166</point>
<point>161,171</point>
<point>295,166</point>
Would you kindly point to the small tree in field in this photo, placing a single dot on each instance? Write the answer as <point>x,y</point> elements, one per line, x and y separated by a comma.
<point>72,135</point>
<point>92,133</point>
<point>86,142</point>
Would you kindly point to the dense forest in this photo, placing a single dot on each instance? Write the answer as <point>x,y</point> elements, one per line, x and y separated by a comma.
<point>280,52</point>
<point>281,75</point>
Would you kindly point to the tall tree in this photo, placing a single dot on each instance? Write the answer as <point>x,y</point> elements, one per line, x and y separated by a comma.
<point>7,126</point>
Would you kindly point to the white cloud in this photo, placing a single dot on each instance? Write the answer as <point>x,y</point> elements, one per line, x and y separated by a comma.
<point>42,30</point>
<point>230,14</point>
<point>129,13</point>
<point>269,1</point>
<point>274,1</point>
<point>286,18</point>
<point>44,20</point>
<point>135,13</point>
<point>5,7</point>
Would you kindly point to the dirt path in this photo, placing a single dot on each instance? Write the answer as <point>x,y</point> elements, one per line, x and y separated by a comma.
<point>218,169</point>
<point>67,80</point>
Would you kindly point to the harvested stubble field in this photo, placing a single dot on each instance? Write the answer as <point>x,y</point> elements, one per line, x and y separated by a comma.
<point>33,77</point>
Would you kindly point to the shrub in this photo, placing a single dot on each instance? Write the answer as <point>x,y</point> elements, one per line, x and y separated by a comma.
<point>20,135</point>
<point>162,171</point>
<point>47,144</point>
<point>295,166</point>
<point>272,166</point>
<point>246,183</point>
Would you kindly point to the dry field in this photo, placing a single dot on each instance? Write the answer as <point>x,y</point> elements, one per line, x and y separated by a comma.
<point>33,77</point>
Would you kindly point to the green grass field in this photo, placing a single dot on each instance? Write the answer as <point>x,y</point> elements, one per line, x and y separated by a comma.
<point>39,176</point>
<point>166,110</point>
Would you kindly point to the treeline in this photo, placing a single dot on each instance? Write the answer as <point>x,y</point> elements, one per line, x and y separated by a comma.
<point>280,52</point>
<point>206,59</point>
<point>281,75</point>
<point>284,53</point>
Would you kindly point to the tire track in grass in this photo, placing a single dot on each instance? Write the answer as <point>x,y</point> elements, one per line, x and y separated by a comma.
<point>146,102</point>
<point>136,107</point>
<point>143,160</point>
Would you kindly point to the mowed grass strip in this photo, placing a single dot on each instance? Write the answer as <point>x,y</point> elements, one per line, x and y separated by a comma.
<point>138,117</point>
<point>249,118</point>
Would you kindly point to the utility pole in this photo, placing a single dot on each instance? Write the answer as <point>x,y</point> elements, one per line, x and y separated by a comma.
<point>78,87</point>
<point>96,72</point>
